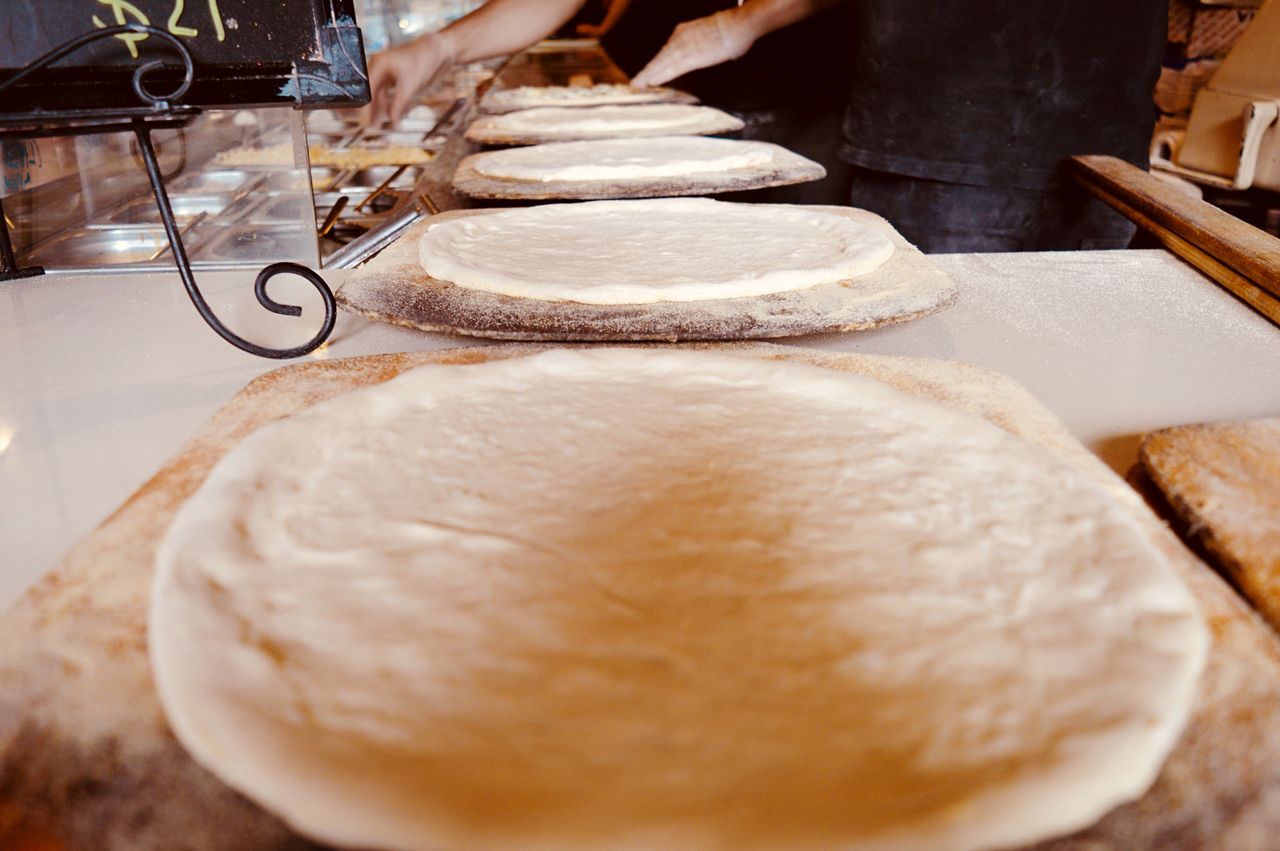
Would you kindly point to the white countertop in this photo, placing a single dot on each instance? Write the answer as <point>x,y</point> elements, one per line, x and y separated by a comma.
<point>102,378</point>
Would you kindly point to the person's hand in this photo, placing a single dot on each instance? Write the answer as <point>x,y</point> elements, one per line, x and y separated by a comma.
<point>699,43</point>
<point>398,74</point>
<point>613,11</point>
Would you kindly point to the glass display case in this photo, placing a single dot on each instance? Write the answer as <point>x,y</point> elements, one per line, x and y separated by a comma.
<point>94,211</point>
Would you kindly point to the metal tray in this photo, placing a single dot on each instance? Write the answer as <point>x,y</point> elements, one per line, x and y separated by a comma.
<point>251,243</point>
<point>143,211</point>
<point>373,177</point>
<point>274,209</point>
<point>101,247</point>
<point>219,181</point>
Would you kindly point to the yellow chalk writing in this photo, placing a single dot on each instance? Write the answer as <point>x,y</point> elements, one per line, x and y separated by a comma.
<point>174,27</point>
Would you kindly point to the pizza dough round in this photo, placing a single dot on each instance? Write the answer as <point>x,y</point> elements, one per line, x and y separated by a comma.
<point>526,97</point>
<point>649,251</point>
<point>650,598</point>
<point>602,122</point>
<point>624,159</point>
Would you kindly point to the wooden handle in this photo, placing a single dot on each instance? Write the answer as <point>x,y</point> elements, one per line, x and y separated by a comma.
<point>1239,256</point>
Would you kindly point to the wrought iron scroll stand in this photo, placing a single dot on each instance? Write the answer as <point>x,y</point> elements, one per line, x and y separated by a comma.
<point>161,111</point>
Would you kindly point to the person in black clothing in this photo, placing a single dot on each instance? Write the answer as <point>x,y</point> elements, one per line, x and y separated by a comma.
<point>789,86</point>
<point>791,89</point>
<point>952,120</point>
<point>961,115</point>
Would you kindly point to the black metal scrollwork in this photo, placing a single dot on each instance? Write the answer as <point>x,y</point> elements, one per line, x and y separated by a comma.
<point>162,104</point>
<point>156,101</point>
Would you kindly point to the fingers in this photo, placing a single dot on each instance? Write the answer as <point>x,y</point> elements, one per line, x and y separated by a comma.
<point>590,30</point>
<point>398,74</point>
<point>683,52</point>
<point>381,82</point>
<point>696,44</point>
<point>405,96</point>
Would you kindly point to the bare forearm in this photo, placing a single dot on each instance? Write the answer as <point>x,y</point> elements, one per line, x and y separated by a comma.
<point>724,36</point>
<point>502,27</point>
<point>766,16</point>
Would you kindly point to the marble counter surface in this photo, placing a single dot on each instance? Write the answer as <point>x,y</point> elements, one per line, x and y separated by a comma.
<point>102,378</point>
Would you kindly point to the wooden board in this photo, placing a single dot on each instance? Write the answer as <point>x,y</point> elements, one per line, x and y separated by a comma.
<point>87,761</point>
<point>1222,482</point>
<point>1241,258</point>
<point>786,168</point>
<point>393,288</point>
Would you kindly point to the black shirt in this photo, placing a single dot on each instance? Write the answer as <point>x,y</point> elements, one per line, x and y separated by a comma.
<point>1000,92</point>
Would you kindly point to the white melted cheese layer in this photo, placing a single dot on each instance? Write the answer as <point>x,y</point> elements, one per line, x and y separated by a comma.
<point>643,252</point>
<point>624,159</point>
<point>673,118</point>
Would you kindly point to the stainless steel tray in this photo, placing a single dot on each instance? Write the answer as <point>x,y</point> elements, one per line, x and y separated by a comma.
<point>219,181</point>
<point>143,211</point>
<point>253,243</point>
<point>102,247</point>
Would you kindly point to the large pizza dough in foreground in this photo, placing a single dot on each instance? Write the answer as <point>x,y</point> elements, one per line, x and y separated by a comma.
<point>624,159</point>
<point>643,252</point>
<point>643,599</point>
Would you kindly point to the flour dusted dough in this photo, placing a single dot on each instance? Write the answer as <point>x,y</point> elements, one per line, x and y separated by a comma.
<point>603,122</point>
<point>524,97</point>
<point>639,599</point>
<point>649,251</point>
<point>624,159</point>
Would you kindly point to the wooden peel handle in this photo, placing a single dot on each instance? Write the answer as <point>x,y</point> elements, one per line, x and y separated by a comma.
<point>1237,255</point>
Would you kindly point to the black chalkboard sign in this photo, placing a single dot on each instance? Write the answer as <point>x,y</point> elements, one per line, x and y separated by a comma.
<point>246,53</point>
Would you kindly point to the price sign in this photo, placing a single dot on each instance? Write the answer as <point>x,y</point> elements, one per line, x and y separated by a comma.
<point>246,52</point>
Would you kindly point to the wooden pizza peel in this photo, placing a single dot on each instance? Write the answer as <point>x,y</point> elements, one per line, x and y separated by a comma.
<point>88,762</point>
<point>1221,485</point>
<point>393,287</point>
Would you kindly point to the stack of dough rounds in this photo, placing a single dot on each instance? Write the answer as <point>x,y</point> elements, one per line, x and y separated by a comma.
<point>659,599</point>
<point>648,251</point>
<point>527,97</point>
<point>559,124</point>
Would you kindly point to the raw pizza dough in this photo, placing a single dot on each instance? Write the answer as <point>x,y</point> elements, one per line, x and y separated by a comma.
<point>551,124</point>
<point>640,599</point>
<point>624,159</point>
<point>649,251</point>
<point>527,97</point>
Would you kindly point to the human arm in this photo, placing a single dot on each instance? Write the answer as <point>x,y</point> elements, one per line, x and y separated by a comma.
<point>722,37</point>
<point>616,8</point>
<point>498,28</point>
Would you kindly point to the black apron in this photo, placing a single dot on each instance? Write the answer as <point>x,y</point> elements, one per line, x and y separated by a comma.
<point>1000,92</point>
